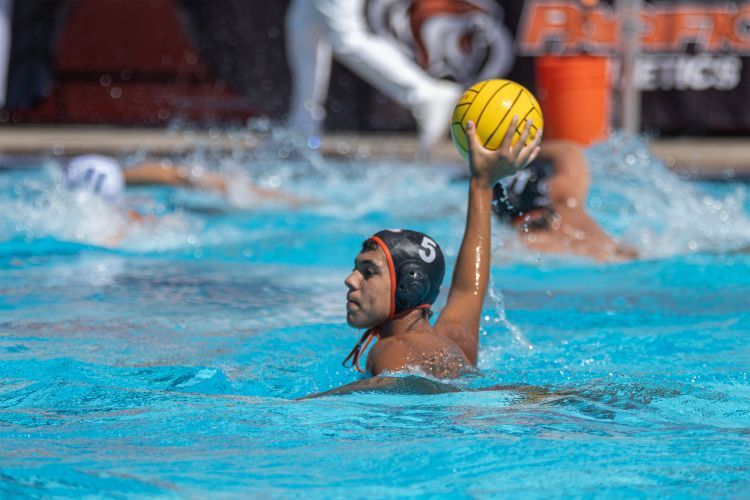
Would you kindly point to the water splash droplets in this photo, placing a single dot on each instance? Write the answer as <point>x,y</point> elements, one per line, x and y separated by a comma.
<point>648,206</point>
<point>502,319</point>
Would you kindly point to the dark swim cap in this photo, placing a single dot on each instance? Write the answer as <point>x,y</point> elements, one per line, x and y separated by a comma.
<point>416,265</point>
<point>525,191</point>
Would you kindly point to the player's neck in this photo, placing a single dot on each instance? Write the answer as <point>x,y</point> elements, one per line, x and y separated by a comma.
<point>413,321</point>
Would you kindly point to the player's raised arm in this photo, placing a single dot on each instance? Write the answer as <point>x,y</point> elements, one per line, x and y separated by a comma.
<point>460,317</point>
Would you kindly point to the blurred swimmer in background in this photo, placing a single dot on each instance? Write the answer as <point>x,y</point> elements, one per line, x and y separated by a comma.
<point>105,177</point>
<point>96,178</point>
<point>545,204</point>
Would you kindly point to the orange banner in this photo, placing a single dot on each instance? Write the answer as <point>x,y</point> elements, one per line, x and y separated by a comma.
<point>667,27</point>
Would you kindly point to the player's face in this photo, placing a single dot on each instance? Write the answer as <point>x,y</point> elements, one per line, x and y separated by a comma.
<point>368,300</point>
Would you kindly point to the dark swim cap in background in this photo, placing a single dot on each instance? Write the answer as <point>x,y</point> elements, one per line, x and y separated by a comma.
<point>417,267</point>
<point>523,192</point>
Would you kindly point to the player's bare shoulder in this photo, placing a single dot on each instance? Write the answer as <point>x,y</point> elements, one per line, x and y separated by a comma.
<point>429,353</point>
<point>459,334</point>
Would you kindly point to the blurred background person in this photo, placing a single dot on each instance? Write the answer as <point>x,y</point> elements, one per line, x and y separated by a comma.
<point>317,30</point>
<point>545,204</point>
<point>30,32</point>
<point>6,7</point>
<point>94,179</point>
<point>105,177</point>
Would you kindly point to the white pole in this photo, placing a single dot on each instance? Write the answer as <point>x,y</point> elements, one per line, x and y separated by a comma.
<point>629,11</point>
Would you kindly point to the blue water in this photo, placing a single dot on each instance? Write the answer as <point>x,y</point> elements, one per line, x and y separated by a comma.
<point>168,364</point>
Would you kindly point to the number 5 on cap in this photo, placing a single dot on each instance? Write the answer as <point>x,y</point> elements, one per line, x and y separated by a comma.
<point>429,245</point>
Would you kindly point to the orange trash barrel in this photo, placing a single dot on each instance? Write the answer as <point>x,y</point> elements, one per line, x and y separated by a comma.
<point>575,95</point>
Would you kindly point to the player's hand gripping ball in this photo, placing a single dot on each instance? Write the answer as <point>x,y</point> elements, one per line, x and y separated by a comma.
<point>491,105</point>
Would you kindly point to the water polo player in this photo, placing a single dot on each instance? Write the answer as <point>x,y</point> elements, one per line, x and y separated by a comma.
<point>105,177</point>
<point>397,277</point>
<point>545,202</point>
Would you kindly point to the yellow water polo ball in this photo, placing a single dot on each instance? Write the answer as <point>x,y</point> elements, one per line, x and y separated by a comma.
<point>491,105</point>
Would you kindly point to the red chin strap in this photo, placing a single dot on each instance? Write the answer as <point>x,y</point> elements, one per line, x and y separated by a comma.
<point>391,272</point>
<point>367,337</point>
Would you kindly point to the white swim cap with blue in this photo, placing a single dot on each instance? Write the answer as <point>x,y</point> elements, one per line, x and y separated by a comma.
<point>97,174</point>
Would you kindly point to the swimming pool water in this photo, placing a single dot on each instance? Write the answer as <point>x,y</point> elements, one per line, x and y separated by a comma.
<point>169,364</point>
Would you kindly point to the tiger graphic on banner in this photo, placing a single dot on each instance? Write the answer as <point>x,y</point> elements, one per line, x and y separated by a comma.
<point>460,40</point>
